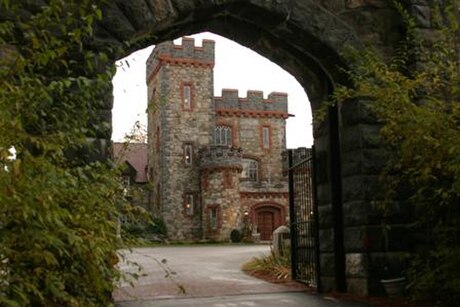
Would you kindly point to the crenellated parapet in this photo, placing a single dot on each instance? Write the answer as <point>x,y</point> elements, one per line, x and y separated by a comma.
<point>221,157</point>
<point>254,104</point>
<point>185,54</point>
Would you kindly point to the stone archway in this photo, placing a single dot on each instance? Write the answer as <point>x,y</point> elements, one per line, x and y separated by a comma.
<point>266,217</point>
<point>306,38</point>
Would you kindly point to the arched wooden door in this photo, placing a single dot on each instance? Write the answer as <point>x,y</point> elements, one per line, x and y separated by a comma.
<point>268,219</point>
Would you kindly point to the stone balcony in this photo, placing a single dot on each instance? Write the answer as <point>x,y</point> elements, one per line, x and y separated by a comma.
<point>218,157</point>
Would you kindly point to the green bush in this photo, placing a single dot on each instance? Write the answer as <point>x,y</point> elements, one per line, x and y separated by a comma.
<point>58,213</point>
<point>235,236</point>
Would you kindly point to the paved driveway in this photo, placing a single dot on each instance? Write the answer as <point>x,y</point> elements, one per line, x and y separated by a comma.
<point>202,276</point>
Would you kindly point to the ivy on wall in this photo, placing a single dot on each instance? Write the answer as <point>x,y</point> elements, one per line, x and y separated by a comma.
<point>416,98</point>
<point>58,211</point>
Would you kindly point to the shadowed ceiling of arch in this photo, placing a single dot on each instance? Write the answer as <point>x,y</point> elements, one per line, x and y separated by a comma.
<point>280,33</point>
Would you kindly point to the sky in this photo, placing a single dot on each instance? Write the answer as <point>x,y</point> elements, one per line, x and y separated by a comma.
<point>236,67</point>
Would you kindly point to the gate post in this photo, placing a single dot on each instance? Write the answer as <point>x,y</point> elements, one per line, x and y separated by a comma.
<point>292,216</point>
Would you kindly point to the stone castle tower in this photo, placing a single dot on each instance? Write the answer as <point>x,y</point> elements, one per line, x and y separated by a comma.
<point>215,162</point>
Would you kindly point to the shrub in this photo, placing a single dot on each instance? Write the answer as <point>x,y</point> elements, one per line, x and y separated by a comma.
<point>270,265</point>
<point>235,236</point>
<point>58,213</point>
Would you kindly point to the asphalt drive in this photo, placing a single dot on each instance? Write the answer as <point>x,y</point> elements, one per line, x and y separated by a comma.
<point>204,276</point>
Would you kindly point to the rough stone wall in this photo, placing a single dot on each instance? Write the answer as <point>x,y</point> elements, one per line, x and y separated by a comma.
<point>222,192</point>
<point>247,116</point>
<point>178,128</point>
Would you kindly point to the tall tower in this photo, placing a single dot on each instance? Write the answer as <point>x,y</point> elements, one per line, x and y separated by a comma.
<point>181,118</point>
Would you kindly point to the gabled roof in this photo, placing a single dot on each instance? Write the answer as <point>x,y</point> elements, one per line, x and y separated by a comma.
<point>135,154</point>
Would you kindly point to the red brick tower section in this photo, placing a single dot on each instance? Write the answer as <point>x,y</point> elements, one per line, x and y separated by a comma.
<point>220,173</point>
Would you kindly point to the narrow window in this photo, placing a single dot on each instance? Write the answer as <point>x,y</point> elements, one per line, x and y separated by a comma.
<point>266,137</point>
<point>187,96</point>
<point>157,138</point>
<point>158,196</point>
<point>189,204</point>
<point>153,103</point>
<point>126,181</point>
<point>188,154</point>
<point>250,170</point>
<point>213,218</point>
<point>223,135</point>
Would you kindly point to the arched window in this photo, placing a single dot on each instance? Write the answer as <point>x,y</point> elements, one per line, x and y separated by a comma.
<point>250,170</point>
<point>223,135</point>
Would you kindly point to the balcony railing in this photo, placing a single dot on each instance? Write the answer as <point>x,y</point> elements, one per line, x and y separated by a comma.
<point>220,156</point>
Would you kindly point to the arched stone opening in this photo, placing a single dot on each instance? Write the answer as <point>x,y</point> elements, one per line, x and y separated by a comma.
<point>289,35</point>
<point>306,38</point>
<point>266,217</point>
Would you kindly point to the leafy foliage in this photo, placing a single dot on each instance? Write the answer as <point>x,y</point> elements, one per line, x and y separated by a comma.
<point>58,211</point>
<point>416,96</point>
<point>270,264</point>
<point>235,236</point>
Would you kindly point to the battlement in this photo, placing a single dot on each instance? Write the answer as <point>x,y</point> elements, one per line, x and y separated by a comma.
<point>254,101</point>
<point>186,53</point>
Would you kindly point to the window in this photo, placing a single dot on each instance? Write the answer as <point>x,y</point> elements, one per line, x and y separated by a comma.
<point>266,137</point>
<point>188,154</point>
<point>223,135</point>
<point>157,138</point>
<point>250,170</point>
<point>213,218</point>
<point>153,96</point>
<point>187,96</point>
<point>126,181</point>
<point>189,204</point>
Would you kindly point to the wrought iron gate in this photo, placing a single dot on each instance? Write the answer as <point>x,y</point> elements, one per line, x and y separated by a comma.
<point>303,217</point>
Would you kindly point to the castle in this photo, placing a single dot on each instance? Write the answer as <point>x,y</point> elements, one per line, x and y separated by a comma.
<point>215,162</point>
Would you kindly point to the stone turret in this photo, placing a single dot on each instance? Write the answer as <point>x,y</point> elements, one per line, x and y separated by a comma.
<point>220,171</point>
<point>186,53</point>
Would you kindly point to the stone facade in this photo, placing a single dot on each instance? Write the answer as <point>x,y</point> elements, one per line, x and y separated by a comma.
<point>215,162</point>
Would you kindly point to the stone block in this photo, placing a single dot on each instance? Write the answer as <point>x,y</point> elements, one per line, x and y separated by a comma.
<point>365,187</point>
<point>325,216</point>
<point>327,283</point>
<point>422,15</point>
<point>356,265</point>
<point>354,112</point>
<point>363,162</point>
<point>117,22</point>
<point>326,240</point>
<point>327,264</point>
<point>361,213</point>
<point>353,239</point>
<point>323,192</point>
<point>360,136</point>
<point>357,286</point>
